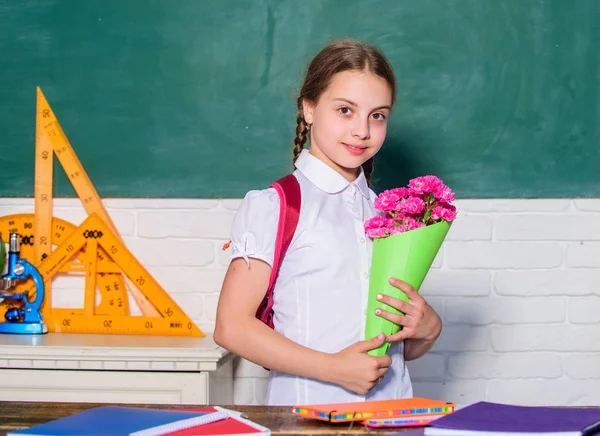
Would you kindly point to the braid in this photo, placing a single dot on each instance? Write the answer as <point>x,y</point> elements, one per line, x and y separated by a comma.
<point>368,170</point>
<point>301,133</point>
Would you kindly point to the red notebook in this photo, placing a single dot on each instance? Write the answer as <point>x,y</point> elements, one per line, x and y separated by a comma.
<point>234,425</point>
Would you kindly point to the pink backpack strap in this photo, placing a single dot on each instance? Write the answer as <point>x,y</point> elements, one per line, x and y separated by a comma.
<point>288,190</point>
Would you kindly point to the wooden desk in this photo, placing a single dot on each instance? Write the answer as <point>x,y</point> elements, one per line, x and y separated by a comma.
<point>17,415</point>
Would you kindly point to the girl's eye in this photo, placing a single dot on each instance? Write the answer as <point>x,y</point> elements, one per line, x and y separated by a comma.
<point>378,116</point>
<point>344,110</point>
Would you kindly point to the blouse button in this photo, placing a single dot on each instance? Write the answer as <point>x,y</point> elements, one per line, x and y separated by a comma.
<point>362,240</point>
<point>351,189</point>
<point>365,275</point>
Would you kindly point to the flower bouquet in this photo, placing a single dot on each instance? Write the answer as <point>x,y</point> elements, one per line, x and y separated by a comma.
<point>406,239</point>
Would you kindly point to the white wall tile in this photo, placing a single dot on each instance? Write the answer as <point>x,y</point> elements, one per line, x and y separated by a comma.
<point>487,310</point>
<point>503,255</point>
<point>546,227</point>
<point>505,365</point>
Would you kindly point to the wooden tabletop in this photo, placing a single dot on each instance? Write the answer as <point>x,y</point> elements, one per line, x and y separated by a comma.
<point>280,420</point>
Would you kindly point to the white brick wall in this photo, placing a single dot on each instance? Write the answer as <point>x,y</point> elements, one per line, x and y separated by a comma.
<point>517,284</point>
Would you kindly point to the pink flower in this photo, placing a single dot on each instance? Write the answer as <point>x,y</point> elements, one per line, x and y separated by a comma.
<point>400,192</point>
<point>412,223</point>
<point>380,232</point>
<point>386,201</point>
<point>412,205</point>
<point>397,216</point>
<point>443,211</point>
<point>377,226</point>
<point>424,185</point>
<point>376,222</point>
<point>444,194</point>
<point>394,230</point>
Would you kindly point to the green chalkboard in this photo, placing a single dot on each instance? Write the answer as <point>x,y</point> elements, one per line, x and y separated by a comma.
<point>196,98</point>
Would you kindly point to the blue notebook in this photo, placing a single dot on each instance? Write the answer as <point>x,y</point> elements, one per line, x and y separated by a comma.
<point>116,420</point>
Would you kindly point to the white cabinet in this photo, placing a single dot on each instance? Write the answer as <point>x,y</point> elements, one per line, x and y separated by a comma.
<point>115,369</point>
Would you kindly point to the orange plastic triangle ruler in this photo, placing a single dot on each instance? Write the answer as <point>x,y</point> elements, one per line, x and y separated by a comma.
<point>39,232</point>
<point>88,238</point>
<point>51,140</point>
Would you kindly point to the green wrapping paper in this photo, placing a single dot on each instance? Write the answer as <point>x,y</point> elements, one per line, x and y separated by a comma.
<point>406,256</point>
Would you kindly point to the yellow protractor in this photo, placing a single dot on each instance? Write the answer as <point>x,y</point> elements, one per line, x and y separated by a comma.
<point>108,278</point>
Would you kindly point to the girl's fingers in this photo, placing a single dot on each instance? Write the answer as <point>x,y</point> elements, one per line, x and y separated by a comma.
<point>397,304</point>
<point>403,334</point>
<point>396,319</point>
<point>406,288</point>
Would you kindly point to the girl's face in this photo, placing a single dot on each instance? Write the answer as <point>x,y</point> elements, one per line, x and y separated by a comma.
<point>349,121</point>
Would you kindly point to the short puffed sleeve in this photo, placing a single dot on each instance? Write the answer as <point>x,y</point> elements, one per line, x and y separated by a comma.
<point>254,228</point>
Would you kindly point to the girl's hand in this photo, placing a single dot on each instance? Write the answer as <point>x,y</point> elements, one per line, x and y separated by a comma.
<point>355,370</point>
<point>420,321</point>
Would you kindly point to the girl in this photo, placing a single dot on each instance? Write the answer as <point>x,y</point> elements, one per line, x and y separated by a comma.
<point>316,353</point>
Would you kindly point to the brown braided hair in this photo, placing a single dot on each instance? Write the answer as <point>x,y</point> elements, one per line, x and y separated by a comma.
<point>301,132</point>
<point>338,56</point>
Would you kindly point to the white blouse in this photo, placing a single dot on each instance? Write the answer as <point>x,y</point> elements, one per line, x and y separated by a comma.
<point>320,297</point>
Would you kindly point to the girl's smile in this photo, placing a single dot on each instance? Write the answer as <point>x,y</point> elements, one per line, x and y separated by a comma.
<point>355,150</point>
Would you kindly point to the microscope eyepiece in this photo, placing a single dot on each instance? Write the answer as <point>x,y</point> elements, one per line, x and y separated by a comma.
<point>14,243</point>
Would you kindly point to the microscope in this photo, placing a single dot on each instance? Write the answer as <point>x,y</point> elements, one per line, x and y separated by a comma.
<point>27,320</point>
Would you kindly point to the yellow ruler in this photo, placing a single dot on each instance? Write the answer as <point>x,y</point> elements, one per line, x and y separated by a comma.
<point>108,278</point>
<point>91,236</point>
<point>50,141</point>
